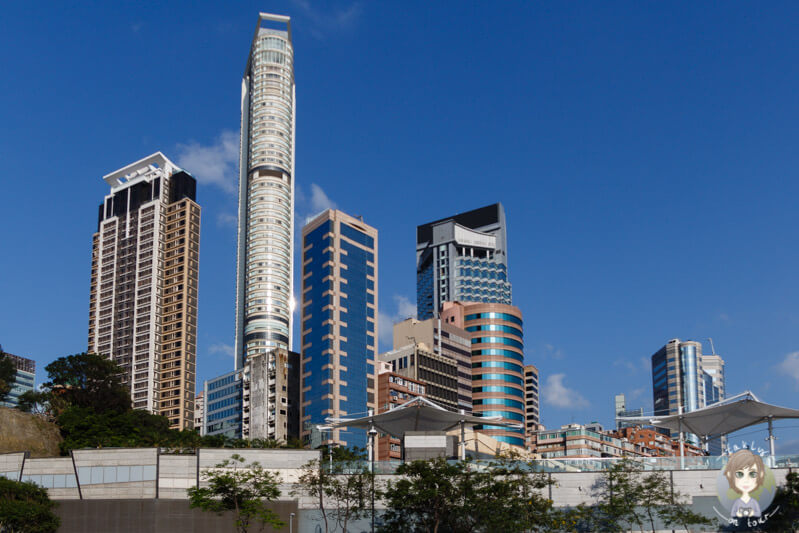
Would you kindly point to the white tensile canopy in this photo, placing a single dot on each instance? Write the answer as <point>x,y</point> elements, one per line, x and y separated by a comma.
<point>419,414</point>
<point>722,418</point>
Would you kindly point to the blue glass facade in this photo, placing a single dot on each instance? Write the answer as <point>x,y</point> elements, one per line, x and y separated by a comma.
<point>224,405</point>
<point>462,258</point>
<point>339,325</point>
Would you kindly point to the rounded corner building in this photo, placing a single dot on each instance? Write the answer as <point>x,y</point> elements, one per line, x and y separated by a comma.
<point>266,193</point>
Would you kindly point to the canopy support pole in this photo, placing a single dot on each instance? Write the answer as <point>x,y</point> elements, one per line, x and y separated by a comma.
<point>682,446</point>
<point>463,436</point>
<point>370,443</point>
<point>771,438</point>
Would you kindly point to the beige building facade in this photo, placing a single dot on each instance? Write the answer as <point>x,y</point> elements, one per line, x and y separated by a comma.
<point>144,283</point>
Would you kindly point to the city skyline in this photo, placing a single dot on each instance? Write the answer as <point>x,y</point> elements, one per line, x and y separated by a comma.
<point>698,167</point>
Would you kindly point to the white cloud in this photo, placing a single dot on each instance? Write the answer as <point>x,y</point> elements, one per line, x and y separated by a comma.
<point>790,366</point>
<point>226,220</point>
<point>213,164</point>
<point>225,349</point>
<point>307,207</point>
<point>636,393</point>
<point>386,320</point>
<point>320,201</point>
<point>557,394</point>
<point>325,22</point>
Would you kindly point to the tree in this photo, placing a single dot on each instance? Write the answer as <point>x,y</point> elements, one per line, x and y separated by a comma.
<point>628,497</point>
<point>26,508</point>
<point>343,481</point>
<point>33,402</point>
<point>86,380</point>
<point>8,374</point>
<point>786,502</point>
<point>463,497</point>
<point>243,489</point>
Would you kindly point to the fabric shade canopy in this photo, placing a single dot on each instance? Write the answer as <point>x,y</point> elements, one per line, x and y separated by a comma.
<point>727,416</point>
<point>418,414</point>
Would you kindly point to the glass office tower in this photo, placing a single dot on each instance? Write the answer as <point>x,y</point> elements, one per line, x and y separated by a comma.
<point>463,258</point>
<point>266,193</point>
<point>683,380</point>
<point>339,323</point>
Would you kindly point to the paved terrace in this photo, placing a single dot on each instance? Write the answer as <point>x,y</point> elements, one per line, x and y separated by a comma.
<point>133,489</point>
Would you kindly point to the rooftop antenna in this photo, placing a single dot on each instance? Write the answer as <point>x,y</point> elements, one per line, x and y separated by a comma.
<point>712,348</point>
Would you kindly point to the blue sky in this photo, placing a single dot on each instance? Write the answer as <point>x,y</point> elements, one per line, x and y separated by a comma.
<point>645,154</point>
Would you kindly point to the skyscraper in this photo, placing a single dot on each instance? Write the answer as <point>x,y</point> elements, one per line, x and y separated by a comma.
<point>464,258</point>
<point>339,324</point>
<point>266,193</point>
<point>681,383</point>
<point>143,303</point>
<point>497,346</point>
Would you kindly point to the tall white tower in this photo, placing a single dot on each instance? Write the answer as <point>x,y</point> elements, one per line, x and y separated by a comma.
<point>266,193</point>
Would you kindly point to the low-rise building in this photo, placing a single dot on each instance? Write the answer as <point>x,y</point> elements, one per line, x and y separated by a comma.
<point>393,390</point>
<point>656,443</point>
<point>576,440</point>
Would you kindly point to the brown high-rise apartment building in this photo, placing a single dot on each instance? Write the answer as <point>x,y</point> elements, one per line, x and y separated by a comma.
<point>145,265</point>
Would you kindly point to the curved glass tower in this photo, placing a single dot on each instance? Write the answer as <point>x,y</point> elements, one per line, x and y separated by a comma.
<point>266,193</point>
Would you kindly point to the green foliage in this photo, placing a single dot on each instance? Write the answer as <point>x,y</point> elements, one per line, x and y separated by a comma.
<point>83,427</point>
<point>243,489</point>
<point>461,496</point>
<point>33,402</point>
<point>86,380</point>
<point>787,500</point>
<point>630,498</point>
<point>345,483</point>
<point>8,373</point>
<point>26,508</point>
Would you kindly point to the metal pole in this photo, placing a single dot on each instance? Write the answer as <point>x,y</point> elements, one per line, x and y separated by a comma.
<point>463,437</point>
<point>682,447</point>
<point>291,522</point>
<point>372,435</point>
<point>771,439</point>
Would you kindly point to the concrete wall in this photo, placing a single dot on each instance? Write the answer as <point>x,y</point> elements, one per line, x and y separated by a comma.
<point>152,516</point>
<point>143,490</point>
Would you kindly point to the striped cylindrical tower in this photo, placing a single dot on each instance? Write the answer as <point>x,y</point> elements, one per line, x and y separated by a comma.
<point>497,345</point>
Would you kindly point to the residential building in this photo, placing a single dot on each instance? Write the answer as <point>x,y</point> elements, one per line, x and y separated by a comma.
<point>442,339</point>
<point>144,276</point>
<point>463,257</point>
<point>680,382</point>
<point>497,346</point>
<point>339,324</point>
<point>393,390</point>
<point>199,412</point>
<point>582,441</point>
<point>266,193</point>
<point>532,414</point>
<point>24,378</point>
<point>224,407</point>
<point>655,443</point>
<point>271,396</point>
<point>438,373</point>
<point>621,411</point>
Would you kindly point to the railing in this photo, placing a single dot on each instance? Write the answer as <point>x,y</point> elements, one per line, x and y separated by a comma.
<point>599,464</point>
